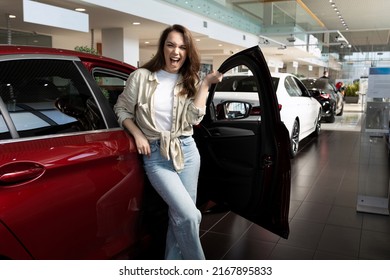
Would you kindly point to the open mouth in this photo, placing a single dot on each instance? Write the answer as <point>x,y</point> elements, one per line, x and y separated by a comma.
<point>175,61</point>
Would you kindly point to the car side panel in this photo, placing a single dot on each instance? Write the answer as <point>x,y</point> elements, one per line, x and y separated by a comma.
<point>90,188</point>
<point>10,247</point>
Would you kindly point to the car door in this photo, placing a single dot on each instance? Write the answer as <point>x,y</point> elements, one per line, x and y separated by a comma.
<point>245,159</point>
<point>71,181</point>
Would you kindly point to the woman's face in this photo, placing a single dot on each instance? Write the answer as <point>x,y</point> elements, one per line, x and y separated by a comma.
<point>175,52</point>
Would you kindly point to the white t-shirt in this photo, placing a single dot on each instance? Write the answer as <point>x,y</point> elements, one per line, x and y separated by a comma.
<point>163,99</point>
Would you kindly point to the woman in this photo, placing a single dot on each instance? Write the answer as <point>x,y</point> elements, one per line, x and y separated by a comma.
<point>159,105</point>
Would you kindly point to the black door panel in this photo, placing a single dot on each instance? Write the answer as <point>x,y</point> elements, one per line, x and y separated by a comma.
<point>230,150</point>
<point>245,162</point>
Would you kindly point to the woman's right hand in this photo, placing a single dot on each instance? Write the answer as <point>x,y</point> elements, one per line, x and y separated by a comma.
<point>143,146</point>
<point>142,143</point>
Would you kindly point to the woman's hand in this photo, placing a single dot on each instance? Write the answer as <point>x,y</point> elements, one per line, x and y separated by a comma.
<point>143,146</point>
<point>201,96</point>
<point>213,78</point>
<point>142,143</point>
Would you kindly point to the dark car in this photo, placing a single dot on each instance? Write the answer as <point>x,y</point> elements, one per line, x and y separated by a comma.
<point>72,185</point>
<point>325,92</point>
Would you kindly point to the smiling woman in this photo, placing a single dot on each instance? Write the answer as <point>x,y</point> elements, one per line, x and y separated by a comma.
<point>159,106</point>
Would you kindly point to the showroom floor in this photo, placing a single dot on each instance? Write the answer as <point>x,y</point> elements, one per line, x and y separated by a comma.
<point>324,221</point>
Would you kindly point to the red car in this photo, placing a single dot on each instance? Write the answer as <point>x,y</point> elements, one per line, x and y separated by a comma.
<point>72,185</point>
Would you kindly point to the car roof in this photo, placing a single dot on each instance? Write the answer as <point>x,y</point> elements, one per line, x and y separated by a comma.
<point>86,58</point>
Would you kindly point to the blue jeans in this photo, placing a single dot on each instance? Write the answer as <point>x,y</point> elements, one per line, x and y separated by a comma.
<point>179,191</point>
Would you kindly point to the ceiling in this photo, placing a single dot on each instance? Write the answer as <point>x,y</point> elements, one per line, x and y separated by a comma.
<point>368,23</point>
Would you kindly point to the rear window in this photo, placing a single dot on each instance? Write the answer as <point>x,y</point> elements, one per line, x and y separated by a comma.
<point>318,83</point>
<point>308,83</point>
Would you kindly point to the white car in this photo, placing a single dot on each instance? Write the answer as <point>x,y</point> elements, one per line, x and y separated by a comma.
<point>300,112</point>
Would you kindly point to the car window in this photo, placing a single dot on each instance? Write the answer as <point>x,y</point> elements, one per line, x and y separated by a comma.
<point>45,96</point>
<point>291,87</point>
<point>110,82</point>
<point>302,87</point>
<point>233,87</point>
<point>237,84</point>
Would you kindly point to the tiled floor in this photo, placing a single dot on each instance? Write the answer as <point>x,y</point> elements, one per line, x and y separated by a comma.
<point>324,223</point>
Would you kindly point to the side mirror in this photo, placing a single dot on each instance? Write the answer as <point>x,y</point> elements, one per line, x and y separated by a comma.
<point>233,110</point>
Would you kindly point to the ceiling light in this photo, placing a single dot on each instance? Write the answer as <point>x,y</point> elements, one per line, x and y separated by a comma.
<point>80,9</point>
<point>11,16</point>
<point>136,23</point>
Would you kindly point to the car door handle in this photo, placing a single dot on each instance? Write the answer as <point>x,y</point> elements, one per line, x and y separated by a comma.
<point>19,172</point>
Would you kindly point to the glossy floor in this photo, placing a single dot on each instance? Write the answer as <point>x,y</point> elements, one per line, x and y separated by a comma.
<point>324,221</point>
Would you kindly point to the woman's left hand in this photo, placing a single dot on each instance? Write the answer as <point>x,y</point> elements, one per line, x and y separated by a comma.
<point>213,78</point>
<point>201,96</point>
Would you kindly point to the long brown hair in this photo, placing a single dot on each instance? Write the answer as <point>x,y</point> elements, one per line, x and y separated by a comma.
<point>191,66</point>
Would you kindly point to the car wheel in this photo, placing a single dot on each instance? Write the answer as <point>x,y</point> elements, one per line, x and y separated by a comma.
<point>341,111</point>
<point>317,130</point>
<point>294,139</point>
<point>331,118</point>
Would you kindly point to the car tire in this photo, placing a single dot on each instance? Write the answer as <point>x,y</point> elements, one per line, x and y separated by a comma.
<point>294,140</point>
<point>341,111</point>
<point>317,130</point>
<point>331,118</point>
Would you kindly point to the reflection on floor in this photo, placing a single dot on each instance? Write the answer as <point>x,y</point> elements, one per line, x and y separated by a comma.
<point>324,223</point>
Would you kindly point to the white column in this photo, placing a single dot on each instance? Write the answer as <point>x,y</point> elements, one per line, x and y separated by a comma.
<point>121,44</point>
<point>131,47</point>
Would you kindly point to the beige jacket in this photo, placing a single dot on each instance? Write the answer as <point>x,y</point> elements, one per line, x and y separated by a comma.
<point>137,103</point>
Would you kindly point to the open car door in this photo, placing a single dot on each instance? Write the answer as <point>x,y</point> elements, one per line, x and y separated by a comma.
<point>244,148</point>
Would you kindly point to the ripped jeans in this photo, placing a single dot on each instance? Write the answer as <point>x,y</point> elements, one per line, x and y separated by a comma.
<point>179,191</point>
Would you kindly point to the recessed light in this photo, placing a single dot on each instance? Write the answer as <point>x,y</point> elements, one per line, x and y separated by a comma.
<point>136,23</point>
<point>80,10</point>
<point>147,42</point>
<point>11,16</point>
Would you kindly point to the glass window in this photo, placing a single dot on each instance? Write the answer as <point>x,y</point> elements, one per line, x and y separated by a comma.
<point>237,83</point>
<point>291,87</point>
<point>111,83</point>
<point>45,96</point>
<point>236,95</point>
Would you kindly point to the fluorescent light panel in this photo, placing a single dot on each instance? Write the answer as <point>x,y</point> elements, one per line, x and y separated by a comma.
<point>39,13</point>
